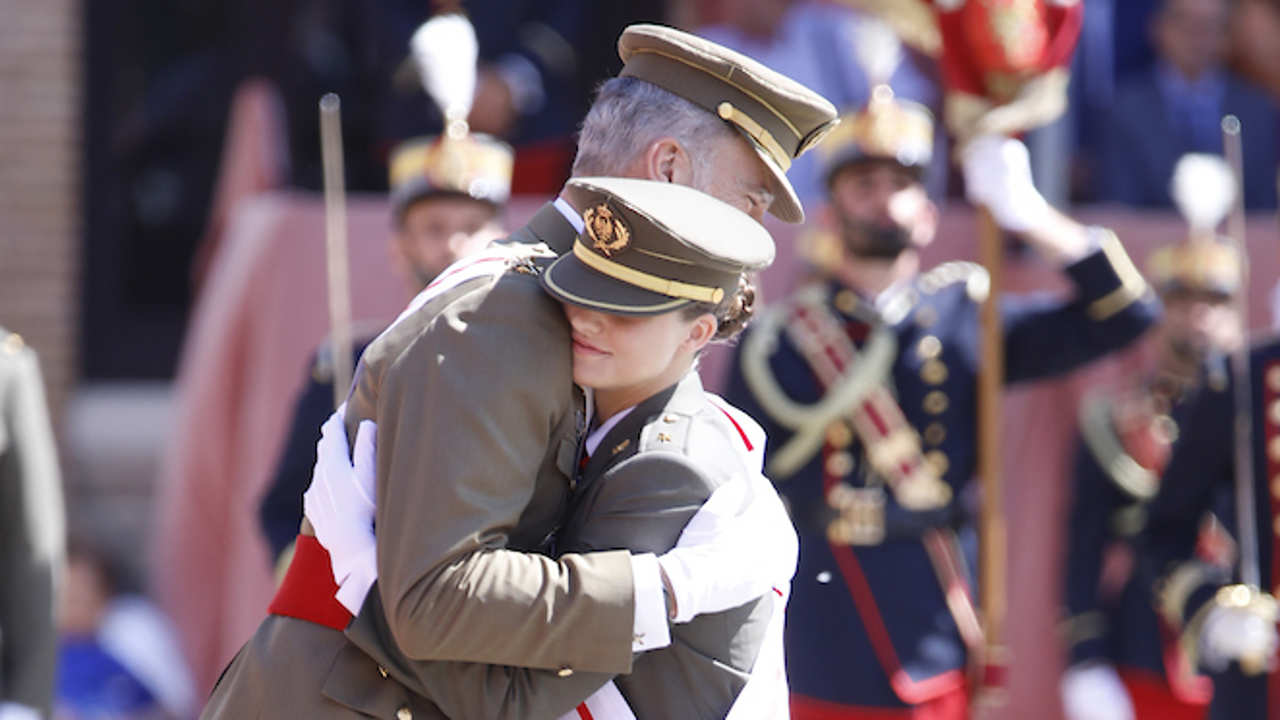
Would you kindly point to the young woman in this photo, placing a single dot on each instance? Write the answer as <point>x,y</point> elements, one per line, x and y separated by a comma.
<point>656,275</point>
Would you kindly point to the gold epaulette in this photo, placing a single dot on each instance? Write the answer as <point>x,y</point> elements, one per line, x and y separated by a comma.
<point>808,422</point>
<point>976,280</point>
<point>1099,433</point>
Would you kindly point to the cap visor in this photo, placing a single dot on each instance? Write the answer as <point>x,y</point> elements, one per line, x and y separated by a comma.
<point>570,280</point>
<point>786,205</point>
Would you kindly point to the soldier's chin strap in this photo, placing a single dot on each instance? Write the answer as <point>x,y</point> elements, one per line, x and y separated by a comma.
<point>809,422</point>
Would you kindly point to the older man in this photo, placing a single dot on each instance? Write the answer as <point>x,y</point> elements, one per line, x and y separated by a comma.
<point>479,430</point>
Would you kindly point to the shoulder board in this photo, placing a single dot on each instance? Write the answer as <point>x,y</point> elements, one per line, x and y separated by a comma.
<point>1099,434</point>
<point>975,278</point>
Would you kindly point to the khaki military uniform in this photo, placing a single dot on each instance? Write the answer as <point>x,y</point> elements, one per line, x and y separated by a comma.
<point>32,530</point>
<point>462,427</point>
<point>649,475</point>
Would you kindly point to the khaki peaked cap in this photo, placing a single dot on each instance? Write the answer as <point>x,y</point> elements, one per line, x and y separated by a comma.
<point>779,116</point>
<point>651,247</point>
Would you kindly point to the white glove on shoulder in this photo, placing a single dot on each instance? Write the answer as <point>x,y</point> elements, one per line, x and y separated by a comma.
<point>997,175</point>
<point>1236,633</point>
<point>340,506</point>
<point>738,546</point>
<point>1093,691</point>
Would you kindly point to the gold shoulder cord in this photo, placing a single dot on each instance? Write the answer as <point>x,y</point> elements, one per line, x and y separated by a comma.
<point>1099,436</point>
<point>809,422</point>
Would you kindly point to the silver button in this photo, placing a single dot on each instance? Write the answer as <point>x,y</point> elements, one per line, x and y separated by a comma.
<point>382,671</point>
<point>565,671</point>
<point>404,714</point>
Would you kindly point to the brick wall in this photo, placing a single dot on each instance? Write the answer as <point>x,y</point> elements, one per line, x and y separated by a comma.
<point>40,136</point>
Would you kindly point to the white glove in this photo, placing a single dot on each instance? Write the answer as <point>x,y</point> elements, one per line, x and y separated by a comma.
<point>15,711</point>
<point>340,506</point>
<point>997,175</point>
<point>738,546</point>
<point>1093,691</point>
<point>1234,633</point>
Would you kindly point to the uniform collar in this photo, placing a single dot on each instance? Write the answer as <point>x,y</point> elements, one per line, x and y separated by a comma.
<point>624,435</point>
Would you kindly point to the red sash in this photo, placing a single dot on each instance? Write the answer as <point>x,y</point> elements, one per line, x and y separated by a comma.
<point>308,590</point>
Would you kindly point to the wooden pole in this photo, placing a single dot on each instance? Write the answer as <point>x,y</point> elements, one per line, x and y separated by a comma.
<point>993,544</point>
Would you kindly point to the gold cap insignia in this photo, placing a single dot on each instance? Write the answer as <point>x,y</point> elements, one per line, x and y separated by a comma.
<point>608,232</point>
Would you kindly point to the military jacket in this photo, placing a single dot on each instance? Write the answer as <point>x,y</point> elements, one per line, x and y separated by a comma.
<point>868,623</point>
<point>32,530</point>
<point>1201,472</point>
<point>474,402</point>
<point>647,478</point>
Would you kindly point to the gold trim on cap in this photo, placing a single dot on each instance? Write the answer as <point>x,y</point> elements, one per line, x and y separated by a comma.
<point>763,137</point>
<point>653,283</point>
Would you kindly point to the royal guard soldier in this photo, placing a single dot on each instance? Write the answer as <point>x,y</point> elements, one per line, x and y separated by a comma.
<point>1228,444</point>
<point>865,382</point>
<point>447,197</point>
<point>1122,661</point>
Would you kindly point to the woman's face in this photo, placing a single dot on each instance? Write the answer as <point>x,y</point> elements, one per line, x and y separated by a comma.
<point>634,356</point>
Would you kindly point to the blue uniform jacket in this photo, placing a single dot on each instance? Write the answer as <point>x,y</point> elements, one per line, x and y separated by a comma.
<point>280,512</point>
<point>868,625</point>
<point>1118,625</point>
<point>1201,470</point>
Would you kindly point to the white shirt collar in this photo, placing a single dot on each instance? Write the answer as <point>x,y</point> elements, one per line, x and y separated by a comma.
<point>597,436</point>
<point>570,214</point>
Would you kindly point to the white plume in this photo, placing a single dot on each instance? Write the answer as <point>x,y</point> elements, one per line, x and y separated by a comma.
<point>1203,188</point>
<point>877,49</point>
<point>445,49</point>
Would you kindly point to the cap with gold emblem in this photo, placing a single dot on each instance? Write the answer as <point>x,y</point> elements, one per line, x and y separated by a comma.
<point>652,247</point>
<point>1203,189</point>
<point>888,128</point>
<point>779,116</point>
<point>473,165</point>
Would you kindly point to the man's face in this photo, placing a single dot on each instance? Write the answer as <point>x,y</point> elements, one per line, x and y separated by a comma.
<point>881,209</point>
<point>439,229</point>
<point>737,176</point>
<point>1197,323</point>
<point>1191,34</point>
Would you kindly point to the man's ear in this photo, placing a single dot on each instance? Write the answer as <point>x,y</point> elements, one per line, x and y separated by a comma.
<point>667,160</point>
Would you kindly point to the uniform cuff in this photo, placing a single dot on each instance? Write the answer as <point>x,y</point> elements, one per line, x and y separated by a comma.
<point>651,630</point>
<point>1107,278</point>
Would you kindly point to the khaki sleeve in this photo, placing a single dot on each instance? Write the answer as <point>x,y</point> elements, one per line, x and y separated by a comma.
<point>465,414</point>
<point>642,505</point>
<point>32,533</point>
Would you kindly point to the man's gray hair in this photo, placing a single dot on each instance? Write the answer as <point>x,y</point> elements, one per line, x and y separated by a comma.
<point>629,114</point>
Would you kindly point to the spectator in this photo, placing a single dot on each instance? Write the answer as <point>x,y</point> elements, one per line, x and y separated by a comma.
<point>1175,107</point>
<point>117,656</point>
